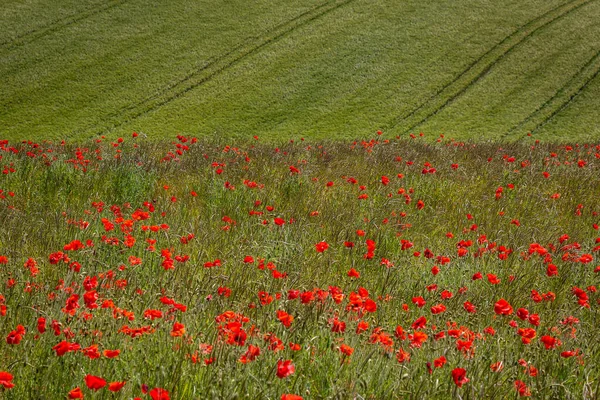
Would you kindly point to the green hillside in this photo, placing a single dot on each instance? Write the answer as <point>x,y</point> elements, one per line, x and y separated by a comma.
<point>314,68</point>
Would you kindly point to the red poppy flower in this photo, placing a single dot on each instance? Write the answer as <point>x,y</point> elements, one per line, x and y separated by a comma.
<point>439,362</point>
<point>522,389</point>
<point>91,352</point>
<point>568,354</point>
<point>111,353</point>
<point>285,368</point>
<point>399,333</point>
<point>250,355</point>
<point>419,301</point>
<point>346,350</point>
<point>76,393</point>
<point>15,337</point>
<point>235,334</point>
<point>321,246</point>
<point>295,346</point>
<point>551,270</point>
<point>152,314</point>
<point>94,382</point>
<point>469,307</point>
<point>438,309</point>
<point>402,356</point>
<point>178,329</point>
<point>116,386</point>
<point>6,380</point>
<point>362,327</point>
<point>550,342</point>
<point>497,366</point>
<point>459,375</point>
<point>502,307</point>
<point>65,347</point>
<point>285,318</point>
<point>338,326</point>
<point>353,273</point>
<point>522,313</point>
<point>527,334</point>
<point>419,323</point>
<point>159,394</point>
<point>417,339</point>
<point>290,397</point>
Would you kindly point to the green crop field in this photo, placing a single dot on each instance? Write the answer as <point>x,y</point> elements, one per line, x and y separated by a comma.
<point>468,69</point>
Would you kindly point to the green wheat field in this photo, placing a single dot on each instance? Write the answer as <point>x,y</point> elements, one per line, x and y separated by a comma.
<point>319,69</point>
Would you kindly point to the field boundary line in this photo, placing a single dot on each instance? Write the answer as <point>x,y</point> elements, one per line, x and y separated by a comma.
<point>481,67</point>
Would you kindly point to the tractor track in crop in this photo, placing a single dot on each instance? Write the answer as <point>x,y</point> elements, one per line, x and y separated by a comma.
<point>560,99</point>
<point>216,66</point>
<point>42,31</point>
<point>481,67</point>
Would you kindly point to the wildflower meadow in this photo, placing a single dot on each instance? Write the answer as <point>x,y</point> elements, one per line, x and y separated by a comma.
<point>384,268</point>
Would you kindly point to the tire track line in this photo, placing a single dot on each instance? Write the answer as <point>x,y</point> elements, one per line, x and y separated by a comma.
<point>568,102</point>
<point>572,88</point>
<point>40,32</point>
<point>480,67</point>
<point>211,63</point>
<point>219,65</point>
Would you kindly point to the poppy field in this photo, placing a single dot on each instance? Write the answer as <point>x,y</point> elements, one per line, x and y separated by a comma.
<point>374,269</point>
